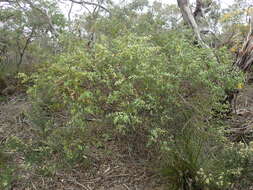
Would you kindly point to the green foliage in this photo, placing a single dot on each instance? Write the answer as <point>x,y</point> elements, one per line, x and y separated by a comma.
<point>165,93</point>
<point>131,80</point>
<point>197,159</point>
<point>6,170</point>
<point>26,32</point>
<point>143,79</point>
<point>54,143</point>
<point>6,177</point>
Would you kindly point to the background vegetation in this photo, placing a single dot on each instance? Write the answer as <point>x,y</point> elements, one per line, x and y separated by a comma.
<point>131,74</point>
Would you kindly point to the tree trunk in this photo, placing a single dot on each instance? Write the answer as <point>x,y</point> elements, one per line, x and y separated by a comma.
<point>23,50</point>
<point>245,56</point>
<point>189,19</point>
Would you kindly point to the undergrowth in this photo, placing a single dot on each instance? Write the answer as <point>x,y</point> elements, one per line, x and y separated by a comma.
<point>160,93</point>
<point>6,169</point>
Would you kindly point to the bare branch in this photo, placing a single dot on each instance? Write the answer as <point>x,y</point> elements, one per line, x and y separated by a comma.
<point>69,13</point>
<point>90,3</point>
<point>251,26</point>
<point>23,50</point>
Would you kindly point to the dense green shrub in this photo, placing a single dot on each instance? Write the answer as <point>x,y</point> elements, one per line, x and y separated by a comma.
<point>164,94</point>
<point>131,81</point>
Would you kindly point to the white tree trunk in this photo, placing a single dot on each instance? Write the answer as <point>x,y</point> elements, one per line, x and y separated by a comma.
<point>189,19</point>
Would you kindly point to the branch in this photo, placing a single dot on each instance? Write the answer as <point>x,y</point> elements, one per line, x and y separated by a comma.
<point>45,14</point>
<point>22,52</point>
<point>69,13</point>
<point>251,26</point>
<point>228,40</point>
<point>198,8</point>
<point>6,1</point>
<point>92,36</point>
<point>90,3</point>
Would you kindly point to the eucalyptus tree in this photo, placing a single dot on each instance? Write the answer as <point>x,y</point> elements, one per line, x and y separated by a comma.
<point>24,22</point>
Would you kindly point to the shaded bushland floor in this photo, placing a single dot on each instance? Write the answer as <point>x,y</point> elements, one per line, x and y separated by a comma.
<point>113,167</point>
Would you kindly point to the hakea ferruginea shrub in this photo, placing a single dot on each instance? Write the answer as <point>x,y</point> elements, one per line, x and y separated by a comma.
<point>130,80</point>
<point>141,88</point>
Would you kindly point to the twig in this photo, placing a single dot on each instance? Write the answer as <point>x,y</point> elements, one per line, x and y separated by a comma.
<point>77,183</point>
<point>34,186</point>
<point>126,186</point>
<point>120,175</point>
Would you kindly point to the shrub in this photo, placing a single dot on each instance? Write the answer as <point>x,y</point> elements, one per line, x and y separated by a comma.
<point>162,94</point>
<point>198,159</point>
<point>130,82</point>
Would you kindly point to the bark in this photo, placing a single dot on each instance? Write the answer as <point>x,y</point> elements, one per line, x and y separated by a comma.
<point>190,20</point>
<point>198,9</point>
<point>69,16</point>
<point>245,56</point>
<point>23,50</point>
<point>69,13</point>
